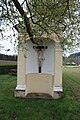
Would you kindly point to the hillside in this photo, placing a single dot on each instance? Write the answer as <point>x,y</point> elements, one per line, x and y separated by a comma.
<point>8,57</point>
<point>6,62</point>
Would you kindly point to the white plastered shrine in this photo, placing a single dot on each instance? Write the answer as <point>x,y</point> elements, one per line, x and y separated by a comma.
<point>40,69</point>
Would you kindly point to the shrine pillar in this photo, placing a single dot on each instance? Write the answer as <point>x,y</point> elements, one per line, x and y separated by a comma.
<point>57,86</point>
<point>21,70</point>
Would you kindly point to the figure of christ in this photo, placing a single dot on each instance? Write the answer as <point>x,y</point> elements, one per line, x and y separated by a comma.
<point>40,58</point>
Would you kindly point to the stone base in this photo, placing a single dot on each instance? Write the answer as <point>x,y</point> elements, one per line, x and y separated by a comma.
<point>57,92</point>
<point>57,95</point>
<point>19,93</point>
<point>39,95</point>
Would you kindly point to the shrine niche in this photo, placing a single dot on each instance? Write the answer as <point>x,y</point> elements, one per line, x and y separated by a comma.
<point>40,68</point>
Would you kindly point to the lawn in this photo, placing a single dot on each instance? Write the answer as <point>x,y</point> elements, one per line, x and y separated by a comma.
<point>66,108</point>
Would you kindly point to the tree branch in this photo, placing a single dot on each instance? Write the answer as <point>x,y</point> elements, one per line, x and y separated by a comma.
<point>8,16</point>
<point>2,7</point>
<point>37,23</point>
<point>25,18</point>
<point>22,3</point>
<point>68,9</point>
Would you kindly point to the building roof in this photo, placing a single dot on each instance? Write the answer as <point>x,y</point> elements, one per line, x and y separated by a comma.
<point>75,54</point>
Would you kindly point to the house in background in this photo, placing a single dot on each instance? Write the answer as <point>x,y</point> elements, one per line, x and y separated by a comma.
<point>74,58</point>
<point>39,68</point>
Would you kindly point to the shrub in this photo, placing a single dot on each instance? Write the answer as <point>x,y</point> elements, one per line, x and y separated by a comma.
<point>7,68</point>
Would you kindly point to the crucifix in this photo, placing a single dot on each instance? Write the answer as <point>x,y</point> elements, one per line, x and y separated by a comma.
<point>40,48</point>
<point>40,59</point>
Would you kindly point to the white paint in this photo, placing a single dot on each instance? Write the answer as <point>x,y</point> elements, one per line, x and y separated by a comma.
<point>32,59</point>
<point>21,87</point>
<point>57,89</point>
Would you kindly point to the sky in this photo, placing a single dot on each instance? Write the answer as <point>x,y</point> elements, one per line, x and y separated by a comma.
<point>7,43</point>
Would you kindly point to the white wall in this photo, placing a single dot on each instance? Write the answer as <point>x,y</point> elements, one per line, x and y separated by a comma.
<point>32,59</point>
<point>48,63</point>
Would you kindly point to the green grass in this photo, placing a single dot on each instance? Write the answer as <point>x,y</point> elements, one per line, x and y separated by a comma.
<point>11,108</point>
<point>72,75</point>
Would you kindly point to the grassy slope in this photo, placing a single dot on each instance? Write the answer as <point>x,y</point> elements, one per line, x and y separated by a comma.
<point>11,108</point>
<point>5,62</point>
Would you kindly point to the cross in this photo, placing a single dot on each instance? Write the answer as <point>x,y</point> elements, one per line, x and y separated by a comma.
<point>40,58</point>
<point>40,48</point>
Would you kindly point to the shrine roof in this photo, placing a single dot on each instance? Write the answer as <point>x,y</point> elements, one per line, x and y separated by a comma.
<point>45,37</point>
